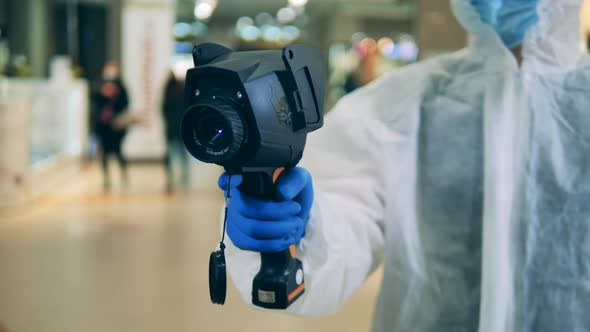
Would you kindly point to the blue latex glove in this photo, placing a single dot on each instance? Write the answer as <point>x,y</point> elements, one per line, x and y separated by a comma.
<point>269,226</point>
<point>510,18</point>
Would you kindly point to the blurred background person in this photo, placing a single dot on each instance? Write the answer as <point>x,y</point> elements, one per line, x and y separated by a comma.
<point>110,121</point>
<point>172,109</point>
<point>367,68</point>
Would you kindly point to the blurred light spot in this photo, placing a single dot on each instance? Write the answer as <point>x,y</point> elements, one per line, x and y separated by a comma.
<point>286,15</point>
<point>203,11</point>
<point>408,50</point>
<point>386,46</point>
<point>297,3</point>
<point>290,33</point>
<point>243,22</point>
<point>181,29</point>
<point>271,33</point>
<point>250,33</point>
<point>180,67</point>
<point>367,46</point>
<point>263,18</point>
<point>204,8</point>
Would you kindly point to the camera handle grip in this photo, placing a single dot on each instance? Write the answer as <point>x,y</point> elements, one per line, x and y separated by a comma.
<point>280,280</point>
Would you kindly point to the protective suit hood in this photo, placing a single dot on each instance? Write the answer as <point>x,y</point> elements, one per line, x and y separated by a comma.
<point>553,41</point>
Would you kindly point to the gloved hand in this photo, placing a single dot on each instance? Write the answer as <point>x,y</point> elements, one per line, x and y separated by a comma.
<point>510,18</point>
<point>269,226</point>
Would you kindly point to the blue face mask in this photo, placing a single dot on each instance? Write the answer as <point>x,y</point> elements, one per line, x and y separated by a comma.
<point>487,9</point>
<point>510,18</point>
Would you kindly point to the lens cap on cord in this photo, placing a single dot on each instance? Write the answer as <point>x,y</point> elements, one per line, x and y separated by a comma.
<point>217,274</point>
<point>217,277</point>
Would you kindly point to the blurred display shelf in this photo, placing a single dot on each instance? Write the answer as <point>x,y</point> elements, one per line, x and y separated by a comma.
<point>43,129</point>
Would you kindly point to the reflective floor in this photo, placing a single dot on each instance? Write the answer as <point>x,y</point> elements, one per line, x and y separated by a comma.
<point>132,260</point>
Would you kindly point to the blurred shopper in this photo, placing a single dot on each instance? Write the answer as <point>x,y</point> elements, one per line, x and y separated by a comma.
<point>110,121</point>
<point>468,175</point>
<point>172,109</point>
<point>366,71</point>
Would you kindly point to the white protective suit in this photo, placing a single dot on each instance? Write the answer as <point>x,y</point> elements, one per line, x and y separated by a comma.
<point>469,177</point>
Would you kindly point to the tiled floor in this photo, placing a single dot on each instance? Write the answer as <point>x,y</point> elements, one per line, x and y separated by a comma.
<point>136,260</point>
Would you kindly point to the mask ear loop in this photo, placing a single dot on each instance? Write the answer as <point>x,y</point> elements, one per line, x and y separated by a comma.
<point>217,271</point>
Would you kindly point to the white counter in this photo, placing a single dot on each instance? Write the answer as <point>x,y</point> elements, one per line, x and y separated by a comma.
<point>43,132</point>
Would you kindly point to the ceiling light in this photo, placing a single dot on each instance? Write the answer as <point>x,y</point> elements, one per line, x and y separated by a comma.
<point>271,33</point>
<point>204,8</point>
<point>243,22</point>
<point>297,3</point>
<point>250,33</point>
<point>286,15</point>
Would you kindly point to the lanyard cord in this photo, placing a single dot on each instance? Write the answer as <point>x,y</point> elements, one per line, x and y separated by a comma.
<point>227,201</point>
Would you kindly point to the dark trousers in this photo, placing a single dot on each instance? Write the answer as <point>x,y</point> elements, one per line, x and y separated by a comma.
<point>176,154</point>
<point>112,146</point>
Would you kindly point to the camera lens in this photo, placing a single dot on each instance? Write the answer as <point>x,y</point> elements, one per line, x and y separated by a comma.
<point>211,130</point>
<point>212,133</point>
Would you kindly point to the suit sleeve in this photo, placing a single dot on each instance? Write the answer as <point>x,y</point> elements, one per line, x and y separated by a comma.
<point>344,237</point>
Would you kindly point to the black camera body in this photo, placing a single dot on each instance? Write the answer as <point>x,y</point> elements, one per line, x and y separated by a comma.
<point>250,112</point>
